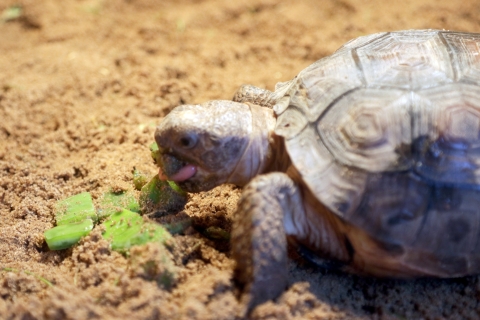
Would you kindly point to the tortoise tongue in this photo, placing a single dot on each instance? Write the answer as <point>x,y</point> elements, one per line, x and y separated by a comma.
<point>183,174</point>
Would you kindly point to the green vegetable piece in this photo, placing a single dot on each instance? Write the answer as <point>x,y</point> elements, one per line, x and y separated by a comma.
<point>157,159</point>
<point>65,236</point>
<point>160,197</point>
<point>154,147</point>
<point>11,13</point>
<point>175,187</point>
<point>155,152</point>
<point>217,233</point>
<point>126,228</point>
<point>75,209</point>
<point>112,202</point>
<point>139,179</point>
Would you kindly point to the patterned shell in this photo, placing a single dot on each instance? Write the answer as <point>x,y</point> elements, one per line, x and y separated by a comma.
<point>385,133</point>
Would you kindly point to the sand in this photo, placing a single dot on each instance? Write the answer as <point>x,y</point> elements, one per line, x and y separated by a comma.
<point>83,84</point>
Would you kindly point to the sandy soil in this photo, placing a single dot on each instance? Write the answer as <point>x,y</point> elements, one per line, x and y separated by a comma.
<point>83,84</point>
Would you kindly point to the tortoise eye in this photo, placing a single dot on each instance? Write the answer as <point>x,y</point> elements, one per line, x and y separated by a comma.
<point>188,141</point>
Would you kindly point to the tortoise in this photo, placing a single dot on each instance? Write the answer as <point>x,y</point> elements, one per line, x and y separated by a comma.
<point>369,158</point>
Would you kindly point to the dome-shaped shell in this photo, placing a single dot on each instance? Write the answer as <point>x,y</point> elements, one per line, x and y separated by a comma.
<point>386,134</point>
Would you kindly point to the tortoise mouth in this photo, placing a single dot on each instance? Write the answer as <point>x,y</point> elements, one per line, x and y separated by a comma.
<point>186,172</point>
<point>174,169</point>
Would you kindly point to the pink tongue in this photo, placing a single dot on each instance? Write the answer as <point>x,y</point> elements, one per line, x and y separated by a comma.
<point>183,174</point>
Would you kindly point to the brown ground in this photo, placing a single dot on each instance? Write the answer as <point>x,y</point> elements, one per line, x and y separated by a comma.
<point>82,85</point>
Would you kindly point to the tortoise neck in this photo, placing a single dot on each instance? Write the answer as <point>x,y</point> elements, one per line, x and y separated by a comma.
<point>263,148</point>
<point>278,159</point>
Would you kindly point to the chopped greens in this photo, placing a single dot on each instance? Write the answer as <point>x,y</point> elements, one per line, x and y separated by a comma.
<point>126,228</point>
<point>216,233</point>
<point>159,197</point>
<point>120,212</point>
<point>66,235</point>
<point>11,13</point>
<point>76,208</point>
<point>112,202</point>
<point>155,152</point>
<point>139,179</point>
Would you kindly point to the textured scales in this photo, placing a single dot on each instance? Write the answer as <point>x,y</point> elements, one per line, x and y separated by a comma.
<point>385,134</point>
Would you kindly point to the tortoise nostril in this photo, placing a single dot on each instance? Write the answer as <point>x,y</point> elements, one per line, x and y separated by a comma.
<point>188,141</point>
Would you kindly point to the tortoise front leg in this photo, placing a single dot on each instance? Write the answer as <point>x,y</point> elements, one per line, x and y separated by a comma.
<point>255,95</point>
<point>262,97</point>
<point>259,244</point>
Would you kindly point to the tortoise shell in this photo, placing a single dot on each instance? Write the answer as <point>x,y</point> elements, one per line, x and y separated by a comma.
<point>385,134</point>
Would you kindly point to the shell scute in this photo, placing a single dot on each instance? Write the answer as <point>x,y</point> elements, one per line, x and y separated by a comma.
<point>309,153</point>
<point>367,129</point>
<point>338,187</point>
<point>323,82</point>
<point>465,47</point>
<point>408,60</point>
<point>360,41</point>
<point>291,122</point>
<point>384,212</point>
<point>446,145</point>
<point>451,228</point>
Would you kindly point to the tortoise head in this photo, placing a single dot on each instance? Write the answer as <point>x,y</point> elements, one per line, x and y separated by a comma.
<point>203,146</point>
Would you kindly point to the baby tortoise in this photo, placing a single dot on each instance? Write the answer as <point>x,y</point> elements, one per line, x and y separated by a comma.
<point>369,157</point>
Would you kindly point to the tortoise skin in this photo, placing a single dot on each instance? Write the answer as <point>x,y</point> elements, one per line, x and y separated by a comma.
<point>385,134</point>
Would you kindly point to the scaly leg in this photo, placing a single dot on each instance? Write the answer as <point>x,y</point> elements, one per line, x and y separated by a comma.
<point>255,95</point>
<point>259,243</point>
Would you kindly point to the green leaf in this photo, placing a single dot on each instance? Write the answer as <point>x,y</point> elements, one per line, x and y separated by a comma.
<point>159,196</point>
<point>217,233</point>
<point>75,209</point>
<point>175,187</point>
<point>112,202</point>
<point>154,147</point>
<point>139,179</point>
<point>155,153</point>
<point>11,13</point>
<point>126,228</point>
<point>65,236</point>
